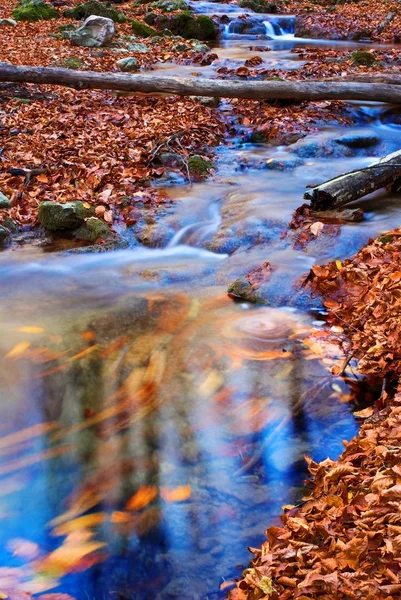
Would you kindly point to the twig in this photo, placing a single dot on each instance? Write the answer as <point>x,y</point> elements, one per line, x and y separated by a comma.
<point>346,363</point>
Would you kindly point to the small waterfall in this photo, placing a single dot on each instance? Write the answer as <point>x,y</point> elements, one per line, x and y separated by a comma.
<point>272,28</point>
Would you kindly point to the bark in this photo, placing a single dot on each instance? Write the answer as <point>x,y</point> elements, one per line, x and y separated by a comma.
<point>352,186</point>
<point>386,21</point>
<point>352,215</point>
<point>388,77</point>
<point>193,86</point>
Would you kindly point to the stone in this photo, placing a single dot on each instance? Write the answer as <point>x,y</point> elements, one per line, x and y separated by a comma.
<point>210,102</point>
<point>4,201</point>
<point>55,216</point>
<point>198,47</point>
<point>143,48</point>
<point>93,229</point>
<point>94,33</point>
<point>170,160</point>
<point>7,23</point>
<point>198,165</point>
<point>4,233</point>
<point>181,47</point>
<point>283,162</point>
<point>247,27</point>
<point>129,64</point>
<point>92,7</point>
<point>358,139</point>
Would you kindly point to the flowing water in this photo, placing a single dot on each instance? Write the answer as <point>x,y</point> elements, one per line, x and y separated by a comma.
<point>151,427</point>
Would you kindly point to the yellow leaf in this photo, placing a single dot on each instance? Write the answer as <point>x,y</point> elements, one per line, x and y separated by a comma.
<point>178,494</point>
<point>365,413</point>
<point>67,556</point>
<point>84,522</point>
<point>31,329</point>
<point>339,265</point>
<point>18,350</point>
<point>142,498</point>
<point>3,595</point>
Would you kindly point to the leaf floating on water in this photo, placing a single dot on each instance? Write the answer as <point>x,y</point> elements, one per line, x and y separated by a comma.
<point>67,557</point>
<point>144,496</point>
<point>178,494</point>
<point>84,522</point>
<point>119,516</point>
<point>56,597</point>
<point>18,350</point>
<point>31,329</point>
<point>84,353</point>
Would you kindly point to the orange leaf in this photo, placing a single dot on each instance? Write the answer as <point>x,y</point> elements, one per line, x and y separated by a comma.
<point>18,350</point>
<point>84,522</point>
<point>178,494</point>
<point>43,178</point>
<point>142,498</point>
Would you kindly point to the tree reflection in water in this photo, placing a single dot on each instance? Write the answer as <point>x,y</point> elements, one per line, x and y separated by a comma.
<point>208,405</point>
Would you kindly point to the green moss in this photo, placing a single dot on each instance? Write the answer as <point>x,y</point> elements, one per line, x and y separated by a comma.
<point>70,63</point>
<point>170,5</point>
<point>92,7</point>
<point>34,11</point>
<point>198,165</point>
<point>385,239</point>
<point>187,26</point>
<point>56,216</point>
<point>142,29</point>
<point>92,230</point>
<point>361,57</point>
<point>260,6</point>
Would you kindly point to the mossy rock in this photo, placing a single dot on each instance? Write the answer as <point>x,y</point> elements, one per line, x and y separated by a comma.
<point>93,229</point>
<point>259,6</point>
<point>169,6</point>
<point>4,201</point>
<point>142,29</point>
<point>198,165</point>
<point>241,289</point>
<point>92,7</point>
<point>34,11</point>
<point>72,62</point>
<point>55,216</point>
<point>4,233</point>
<point>186,25</point>
<point>361,57</point>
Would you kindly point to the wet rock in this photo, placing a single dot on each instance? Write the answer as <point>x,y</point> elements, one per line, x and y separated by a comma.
<point>243,290</point>
<point>7,23</point>
<point>93,7</point>
<point>4,233</point>
<point>154,235</point>
<point>55,216</point>
<point>4,201</point>
<point>94,33</point>
<point>359,139</point>
<point>198,165</point>
<point>283,162</point>
<point>170,160</point>
<point>93,229</point>
<point>129,64</point>
<point>34,10</point>
<point>247,27</point>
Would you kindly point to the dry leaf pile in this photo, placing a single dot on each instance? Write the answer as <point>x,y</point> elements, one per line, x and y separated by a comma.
<point>344,540</point>
<point>363,295</point>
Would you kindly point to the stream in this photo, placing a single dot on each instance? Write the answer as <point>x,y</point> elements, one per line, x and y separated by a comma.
<point>151,427</point>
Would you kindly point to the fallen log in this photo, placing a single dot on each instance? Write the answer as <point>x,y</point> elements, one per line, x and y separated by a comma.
<point>356,184</point>
<point>196,86</point>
